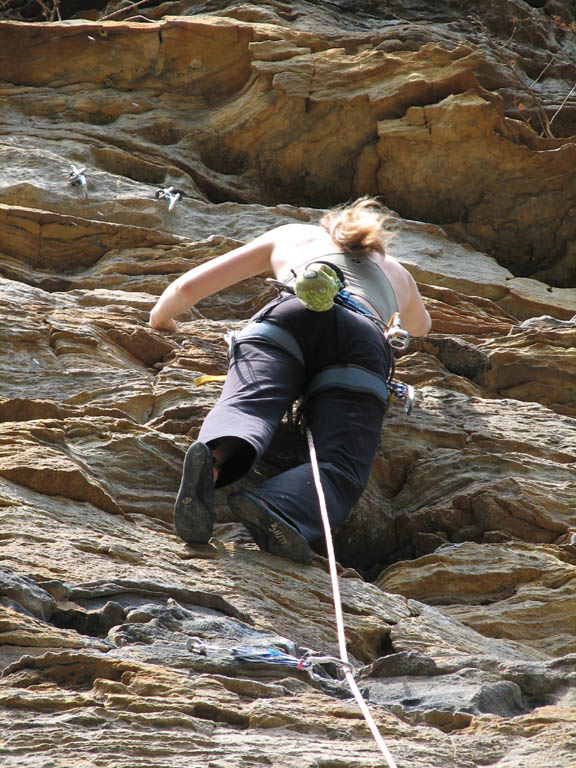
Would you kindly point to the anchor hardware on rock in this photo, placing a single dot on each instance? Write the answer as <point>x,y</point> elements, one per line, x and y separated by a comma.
<point>309,661</point>
<point>77,178</point>
<point>170,194</point>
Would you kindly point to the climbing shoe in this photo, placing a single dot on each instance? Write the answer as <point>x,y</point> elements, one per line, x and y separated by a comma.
<point>271,532</point>
<point>194,509</point>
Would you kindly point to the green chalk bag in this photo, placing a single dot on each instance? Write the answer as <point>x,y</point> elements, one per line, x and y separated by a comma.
<point>317,286</point>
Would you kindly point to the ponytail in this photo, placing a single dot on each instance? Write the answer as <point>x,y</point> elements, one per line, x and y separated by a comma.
<point>357,227</point>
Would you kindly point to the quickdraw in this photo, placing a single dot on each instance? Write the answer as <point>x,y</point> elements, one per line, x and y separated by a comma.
<point>309,662</point>
<point>170,194</point>
<point>77,178</point>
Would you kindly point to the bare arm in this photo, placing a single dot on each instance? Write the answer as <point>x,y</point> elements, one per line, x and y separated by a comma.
<point>415,317</point>
<point>413,314</point>
<point>219,273</point>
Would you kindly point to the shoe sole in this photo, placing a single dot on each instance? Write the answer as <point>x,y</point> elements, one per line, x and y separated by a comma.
<point>194,509</point>
<point>269,531</point>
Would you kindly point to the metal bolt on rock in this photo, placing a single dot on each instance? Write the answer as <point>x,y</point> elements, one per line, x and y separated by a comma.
<point>77,178</point>
<point>170,194</point>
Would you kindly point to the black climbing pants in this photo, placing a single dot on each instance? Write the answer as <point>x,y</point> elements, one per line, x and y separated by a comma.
<point>264,380</point>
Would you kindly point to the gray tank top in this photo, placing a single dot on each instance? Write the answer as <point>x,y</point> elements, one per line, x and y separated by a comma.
<point>364,280</point>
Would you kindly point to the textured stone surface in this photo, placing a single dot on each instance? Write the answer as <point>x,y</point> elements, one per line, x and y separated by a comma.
<point>120,645</point>
<point>500,589</point>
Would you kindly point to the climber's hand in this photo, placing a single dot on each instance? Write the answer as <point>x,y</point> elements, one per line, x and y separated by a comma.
<point>168,324</point>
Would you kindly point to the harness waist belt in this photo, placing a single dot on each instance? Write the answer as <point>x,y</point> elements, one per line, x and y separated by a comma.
<point>350,377</point>
<point>275,334</point>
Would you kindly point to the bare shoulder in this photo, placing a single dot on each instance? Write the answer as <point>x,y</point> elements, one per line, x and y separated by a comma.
<point>414,315</point>
<point>397,274</point>
<point>295,243</point>
<point>295,232</point>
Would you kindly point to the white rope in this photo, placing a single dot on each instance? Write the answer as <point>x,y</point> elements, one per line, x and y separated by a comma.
<point>338,606</point>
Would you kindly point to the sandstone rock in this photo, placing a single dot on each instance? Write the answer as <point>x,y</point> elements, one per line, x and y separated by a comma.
<point>511,590</point>
<point>550,375</point>
<point>469,466</point>
<point>24,595</point>
<point>122,645</point>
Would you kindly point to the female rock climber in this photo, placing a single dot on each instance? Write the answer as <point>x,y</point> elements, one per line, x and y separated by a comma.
<point>337,359</point>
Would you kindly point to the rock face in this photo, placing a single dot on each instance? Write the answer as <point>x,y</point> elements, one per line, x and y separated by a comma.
<point>120,645</point>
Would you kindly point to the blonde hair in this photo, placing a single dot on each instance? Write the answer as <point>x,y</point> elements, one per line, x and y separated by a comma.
<point>358,227</point>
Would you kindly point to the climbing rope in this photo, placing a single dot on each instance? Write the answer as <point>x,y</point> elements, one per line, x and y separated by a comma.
<point>338,606</point>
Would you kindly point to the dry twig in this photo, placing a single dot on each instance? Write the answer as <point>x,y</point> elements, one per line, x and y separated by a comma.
<point>544,122</point>
<point>123,10</point>
<point>564,102</point>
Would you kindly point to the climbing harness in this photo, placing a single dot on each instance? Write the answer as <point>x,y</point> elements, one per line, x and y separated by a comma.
<point>262,329</point>
<point>344,376</point>
<point>338,606</point>
<point>352,377</point>
<point>349,377</point>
